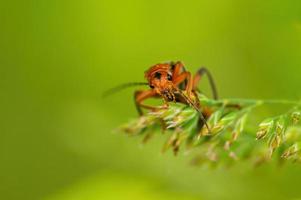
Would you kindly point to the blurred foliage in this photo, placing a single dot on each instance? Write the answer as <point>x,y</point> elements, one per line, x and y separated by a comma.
<point>58,56</point>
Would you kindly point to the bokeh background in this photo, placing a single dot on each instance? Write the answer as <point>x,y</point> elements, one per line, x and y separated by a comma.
<point>57,57</point>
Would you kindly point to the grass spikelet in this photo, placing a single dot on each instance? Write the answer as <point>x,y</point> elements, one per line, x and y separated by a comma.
<point>229,141</point>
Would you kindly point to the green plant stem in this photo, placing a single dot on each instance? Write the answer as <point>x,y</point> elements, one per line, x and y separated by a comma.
<point>256,101</point>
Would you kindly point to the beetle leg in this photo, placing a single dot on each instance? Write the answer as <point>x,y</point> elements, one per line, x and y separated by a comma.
<point>182,77</point>
<point>177,70</point>
<point>197,77</point>
<point>140,96</point>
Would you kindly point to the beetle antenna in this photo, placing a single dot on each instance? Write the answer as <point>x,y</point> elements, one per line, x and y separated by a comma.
<point>122,87</point>
<point>192,104</point>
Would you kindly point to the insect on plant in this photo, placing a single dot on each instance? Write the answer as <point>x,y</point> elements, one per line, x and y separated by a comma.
<point>215,126</point>
<point>173,83</point>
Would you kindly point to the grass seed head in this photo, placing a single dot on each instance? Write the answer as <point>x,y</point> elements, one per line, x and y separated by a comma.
<point>264,128</point>
<point>296,117</point>
<point>291,151</point>
<point>227,140</point>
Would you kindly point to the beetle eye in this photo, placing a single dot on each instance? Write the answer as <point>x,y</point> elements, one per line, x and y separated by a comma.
<point>169,77</point>
<point>158,75</point>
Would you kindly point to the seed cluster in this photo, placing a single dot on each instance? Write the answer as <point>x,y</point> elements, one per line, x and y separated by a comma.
<point>230,137</point>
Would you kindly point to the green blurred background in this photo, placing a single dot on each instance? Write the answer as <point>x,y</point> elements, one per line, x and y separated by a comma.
<point>57,57</point>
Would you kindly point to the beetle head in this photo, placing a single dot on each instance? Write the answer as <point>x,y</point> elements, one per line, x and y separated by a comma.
<point>160,79</point>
